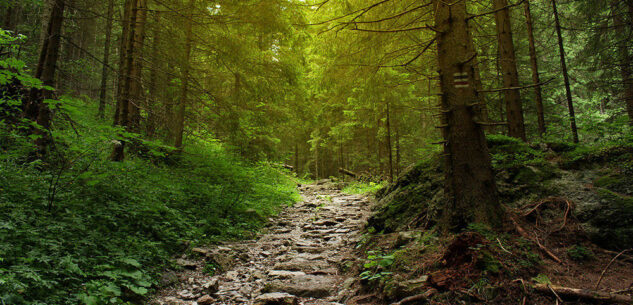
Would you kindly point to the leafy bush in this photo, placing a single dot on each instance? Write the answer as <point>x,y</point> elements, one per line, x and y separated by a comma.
<point>77,228</point>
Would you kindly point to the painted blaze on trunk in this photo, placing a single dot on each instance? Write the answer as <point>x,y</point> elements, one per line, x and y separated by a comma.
<point>471,193</point>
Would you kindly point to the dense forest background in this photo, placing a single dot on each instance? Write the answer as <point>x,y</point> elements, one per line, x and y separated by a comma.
<point>166,122</point>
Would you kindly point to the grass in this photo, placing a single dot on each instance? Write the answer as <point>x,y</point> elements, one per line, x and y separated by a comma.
<point>363,188</point>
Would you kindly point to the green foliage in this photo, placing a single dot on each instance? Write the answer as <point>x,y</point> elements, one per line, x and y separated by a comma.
<point>542,279</point>
<point>580,253</point>
<point>363,188</point>
<point>376,266</point>
<point>77,228</point>
<point>508,152</point>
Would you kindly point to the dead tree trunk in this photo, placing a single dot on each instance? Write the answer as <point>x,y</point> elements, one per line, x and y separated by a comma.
<point>471,193</point>
<point>536,79</point>
<point>106,61</point>
<point>563,63</point>
<point>180,119</point>
<point>514,109</point>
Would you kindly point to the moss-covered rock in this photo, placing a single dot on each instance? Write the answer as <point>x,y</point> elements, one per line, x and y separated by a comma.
<point>412,200</point>
<point>611,225</point>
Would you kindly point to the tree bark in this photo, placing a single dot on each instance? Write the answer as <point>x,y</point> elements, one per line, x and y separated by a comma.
<point>514,109</point>
<point>130,80</point>
<point>536,79</point>
<point>106,61</point>
<point>563,63</point>
<point>37,110</point>
<point>180,120</point>
<point>152,105</point>
<point>136,87</point>
<point>624,57</point>
<point>389,148</point>
<point>471,193</point>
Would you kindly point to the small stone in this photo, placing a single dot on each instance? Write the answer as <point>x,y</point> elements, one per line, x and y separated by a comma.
<point>186,264</point>
<point>211,286</point>
<point>200,251</point>
<point>232,275</point>
<point>265,253</point>
<point>276,298</point>
<point>205,300</point>
<point>186,295</point>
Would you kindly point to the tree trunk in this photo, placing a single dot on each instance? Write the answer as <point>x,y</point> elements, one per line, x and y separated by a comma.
<point>397,127</point>
<point>536,79</point>
<point>130,91</point>
<point>471,193</point>
<point>37,110</point>
<point>624,59</point>
<point>389,149</point>
<point>180,120</point>
<point>136,88</point>
<point>514,109</point>
<point>152,105</point>
<point>563,63</point>
<point>106,61</point>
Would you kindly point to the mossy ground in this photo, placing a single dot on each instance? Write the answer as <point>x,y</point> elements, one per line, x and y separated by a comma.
<point>480,265</point>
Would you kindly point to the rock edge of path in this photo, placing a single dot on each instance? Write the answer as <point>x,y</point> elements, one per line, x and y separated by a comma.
<point>297,260</point>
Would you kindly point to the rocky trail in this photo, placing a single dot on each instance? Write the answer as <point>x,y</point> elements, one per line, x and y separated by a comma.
<point>297,260</point>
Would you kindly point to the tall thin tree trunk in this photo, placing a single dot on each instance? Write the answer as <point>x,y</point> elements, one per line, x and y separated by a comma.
<point>624,58</point>
<point>130,91</point>
<point>536,79</point>
<point>563,63</point>
<point>470,185</point>
<point>106,61</point>
<point>153,79</point>
<point>136,87</point>
<point>389,149</point>
<point>180,120</point>
<point>514,109</point>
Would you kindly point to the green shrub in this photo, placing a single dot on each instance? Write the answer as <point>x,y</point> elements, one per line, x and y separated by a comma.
<point>80,229</point>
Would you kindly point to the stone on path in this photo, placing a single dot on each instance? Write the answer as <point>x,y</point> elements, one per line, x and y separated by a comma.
<point>276,298</point>
<point>297,260</point>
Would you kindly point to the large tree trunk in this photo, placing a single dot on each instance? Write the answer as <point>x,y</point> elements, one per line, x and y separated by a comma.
<point>536,79</point>
<point>106,61</point>
<point>470,186</point>
<point>180,119</point>
<point>624,57</point>
<point>36,109</point>
<point>563,63</point>
<point>514,109</point>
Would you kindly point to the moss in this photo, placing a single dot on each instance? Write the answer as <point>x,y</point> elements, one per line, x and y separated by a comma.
<point>613,222</point>
<point>412,200</point>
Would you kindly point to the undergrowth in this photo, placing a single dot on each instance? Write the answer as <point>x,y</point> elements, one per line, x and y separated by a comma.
<point>363,188</point>
<point>80,229</point>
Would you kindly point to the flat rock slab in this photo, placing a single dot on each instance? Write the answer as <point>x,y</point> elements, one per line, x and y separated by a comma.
<point>313,286</point>
<point>276,298</point>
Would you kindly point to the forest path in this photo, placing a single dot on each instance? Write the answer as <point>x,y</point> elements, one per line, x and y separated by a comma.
<point>296,260</point>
